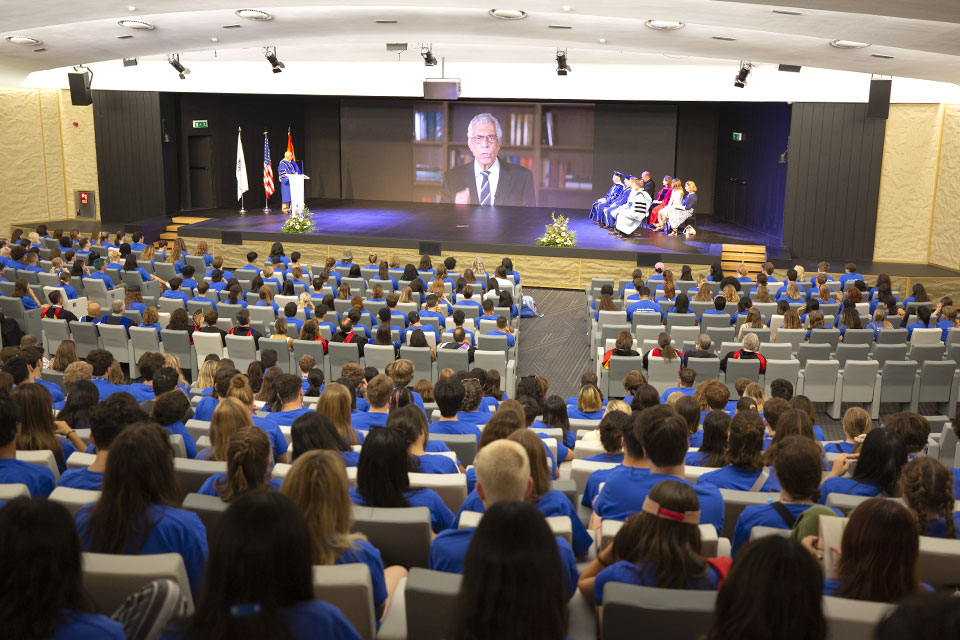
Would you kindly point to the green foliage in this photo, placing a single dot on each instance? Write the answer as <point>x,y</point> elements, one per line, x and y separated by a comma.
<point>558,234</point>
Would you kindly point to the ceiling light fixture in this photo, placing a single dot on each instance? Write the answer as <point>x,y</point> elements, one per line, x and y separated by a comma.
<point>664,25</point>
<point>603,41</point>
<point>140,25</point>
<point>508,14</point>
<point>562,67</point>
<point>253,14</point>
<point>40,50</point>
<point>787,12</point>
<point>130,62</point>
<point>214,39</point>
<point>848,44</point>
<point>724,38</point>
<point>740,81</point>
<point>125,36</point>
<point>428,58</point>
<point>566,8</point>
<point>232,26</point>
<point>131,9</point>
<point>882,56</point>
<point>270,53</point>
<point>559,26</point>
<point>26,41</point>
<point>385,21</point>
<point>174,61</point>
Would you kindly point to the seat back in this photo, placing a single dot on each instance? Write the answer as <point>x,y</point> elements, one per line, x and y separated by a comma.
<point>349,588</point>
<point>452,487</point>
<point>847,351</point>
<point>111,578</point>
<point>849,619</point>
<point>144,340</point>
<point>43,457</point>
<point>860,380</point>
<point>792,336</point>
<point>456,359</point>
<point>402,535</point>
<point>737,369</point>
<point>12,491</point>
<point>315,349</point>
<point>283,354</point>
<point>891,336</point>
<point>86,337</point>
<point>242,349</point>
<point>54,332</point>
<point>379,356</point>
<point>169,305</point>
<point>164,270</point>
<point>73,499</point>
<point>679,335</point>
<point>937,381</point>
<point>939,562</point>
<point>734,502</point>
<point>430,603</point>
<point>858,336</point>
<point>662,613</point>
<point>422,364</point>
<point>116,341</point>
<point>464,445</point>
<point>662,374</point>
<point>820,380</point>
<point>825,336</point>
<point>787,369</point>
<point>712,321</point>
<point>926,336</point>
<point>191,474</point>
<point>922,352</point>
<point>55,377</point>
<point>262,314</point>
<point>341,353</point>
<point>812,351</point>
<point>580,471</point>
<point>776,350</point>
<point>620,366</point>
<point>207,343</point>
<point>899,381</point>
<point>887,352</point>
<point>680,320</point>
<point>705,368</point>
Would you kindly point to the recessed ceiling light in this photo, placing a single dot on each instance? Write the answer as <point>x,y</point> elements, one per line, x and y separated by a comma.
<point>603,41</point>
<point>664,25</point>
<point>559,26</point>
<point>136,24</point>
<point>567,8</point>
<point>40,50</point>
<point>385,21</point>
<point>232,26</point>
<point>131,9</point>
<point>125,36</point>
<point>508,14</point>
<point>848,44</point>
<point>254,14</point>
<point>24,40</point>
<point>785,12</point>
<point>214,39</point>
<point>724,38</point>
<point>882,56</point>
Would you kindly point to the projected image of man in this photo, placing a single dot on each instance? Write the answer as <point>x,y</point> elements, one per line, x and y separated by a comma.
<point>488,181</point>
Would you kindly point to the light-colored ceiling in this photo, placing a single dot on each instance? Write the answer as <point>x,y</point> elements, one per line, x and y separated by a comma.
<point>923,36</point>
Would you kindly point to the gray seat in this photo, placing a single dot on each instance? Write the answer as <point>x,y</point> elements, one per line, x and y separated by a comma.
<point>891,336</point>
<point>27,319</point>
<point>242,349</point>
<point>110,578</point>
<point>191,474</point>
<point>198,305</point>
<point>611,379</point>
<point>55,377</point>
<point>938,383</point>
<point>144,340</point>
<point>849,619</point>
<point>430,603</point>
<point>884,353</point>
<point>165,270</point>
<point>734,502</point>
<point>464,445</point>
<point>178,343</point>
<point>820,381</point>
<point>808,351</point>
<point>662,374</point>
<point>115,340</point>
<point>208,508</point>
<point>456,359</point>
<point>677,614</point>
<point>793,336</point>
<point>284,361</point>
<point>705,368</point>
<point>135,281</point>
<point>315,349</point>
<point>422,364</point>
<point>341,353</point>
<point>349,588</point>
<point>262,314</point>
<point>54,332</point>
<point>680,320</point>
<point>505,367</point>
<point>169,305</point>
<point>679,335</point>
<point>737,369</point>
<point>763,333</point>
<point>379,356</point>
<point>197,262</point>
<point>926,352</point>
<point>825,336</point>
<point>718,336</point>
<point>860,382</point>
<point>86,337</point>
<point>402,535</point>
<point>713,321</point>
<point>900,383</point>
<point>858,336</point>
<point>787,369</point>
<point>776,351</point>
<point>847,351</point>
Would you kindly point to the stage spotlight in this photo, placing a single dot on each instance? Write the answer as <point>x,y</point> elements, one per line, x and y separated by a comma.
<point>741,80</point>
<point>270,53</point>
<point>428,58</point>
<point>562,67</point>
<point>174,60</point>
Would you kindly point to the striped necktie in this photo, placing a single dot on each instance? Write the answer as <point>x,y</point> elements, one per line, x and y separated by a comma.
<point>485,188</point>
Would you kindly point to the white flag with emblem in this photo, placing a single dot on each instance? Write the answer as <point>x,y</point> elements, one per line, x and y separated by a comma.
<point>242,186</point>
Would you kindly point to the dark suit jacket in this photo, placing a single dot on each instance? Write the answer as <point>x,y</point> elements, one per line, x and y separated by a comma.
<point>515,186</point>
<point>649,188</point>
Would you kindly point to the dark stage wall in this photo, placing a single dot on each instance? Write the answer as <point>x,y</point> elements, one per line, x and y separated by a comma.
<point>833,181</point>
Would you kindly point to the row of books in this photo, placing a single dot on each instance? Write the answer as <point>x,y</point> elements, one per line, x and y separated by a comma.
<point>520,133</point>
<point>428,173</point>
<point>427,126</point>
<point>557,175</point>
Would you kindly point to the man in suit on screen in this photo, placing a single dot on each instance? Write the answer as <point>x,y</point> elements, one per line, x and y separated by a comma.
<point>487,181</point>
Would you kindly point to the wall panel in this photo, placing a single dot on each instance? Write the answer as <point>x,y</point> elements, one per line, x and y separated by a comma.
<point>945,235</point>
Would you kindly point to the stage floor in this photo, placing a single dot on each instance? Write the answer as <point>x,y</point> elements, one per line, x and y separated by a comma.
<point>466,228</point>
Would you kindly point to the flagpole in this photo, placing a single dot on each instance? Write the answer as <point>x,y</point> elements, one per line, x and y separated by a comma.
<point>242,210</point>
<point>266,196</point>
<point>239,131</point>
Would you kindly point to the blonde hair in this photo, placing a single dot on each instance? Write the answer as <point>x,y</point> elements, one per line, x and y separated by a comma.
<point>248,461</point>
<point>148,253</point>
<point>115,373</point>
<point>241,390</point>
<point>229,417</point>
<point>800,272</point>
<point>615,404</point>
<point>589,399</point>
<point>172,360</point>
<point>691,186</point>
<point>755,392</point>
<point>317,484</point>
<point>334,403</point>
<point>406,295</point>
<point>401,372</point>
<point>730,294</point>
<point>742,270</point>
<point>793,291</point>
<point>205,377</point>
<point>503,471</point>
<point>676,184</point>
<point>856,422</point>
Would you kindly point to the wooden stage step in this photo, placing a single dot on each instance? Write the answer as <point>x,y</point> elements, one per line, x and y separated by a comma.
<point>188,219</point>
<point>752,255</point>
<point>172,230</point>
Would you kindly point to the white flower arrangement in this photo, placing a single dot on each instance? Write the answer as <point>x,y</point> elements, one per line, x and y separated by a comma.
<point>298,222</point>
<point>558,234</point>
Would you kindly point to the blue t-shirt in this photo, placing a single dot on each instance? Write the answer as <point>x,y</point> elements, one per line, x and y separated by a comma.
<point>687,391</point>
<point>696,459</point>
<point>107,388</point>
<point>839,447</point>
<point>272,429</point>
<point>310,620</point>
<point>364,552</point>
<point>141,391</point>
<point>177,428</point>
<point>645,575</point>
<point>56,393</point>
<point>847,486</point>
<point>440,515</point>
<point>455,427</point>
<point>204,409</point>
<point>174,531</point>
<point>644,306</point>
<point>731,477</point>
<point>625,490</point>
<point>937,528</point>
<point>575,414</point>
<point>82,479</point>
<point>448,550</point>
<point>597,478</point>
<point>75,625</point>
<point>209,487</point>
<point>286,418</point>
<point>437,464</point>
<point>350,458</point>
<point>39,479</point>
<point>830,587</point>
<point>473,417</point>
<point>365,420</point>
<point>696,439</point>
<point>606,457</point>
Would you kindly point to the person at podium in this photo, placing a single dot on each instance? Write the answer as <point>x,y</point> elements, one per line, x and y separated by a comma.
<point>487,181</point>
<point>286,167</point>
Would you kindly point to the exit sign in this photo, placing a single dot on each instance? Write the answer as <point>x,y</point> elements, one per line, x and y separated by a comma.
<point>202,124</point>
<point>737,136</point>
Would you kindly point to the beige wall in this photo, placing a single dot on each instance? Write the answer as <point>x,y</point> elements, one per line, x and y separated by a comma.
<point>945,239</point>
<point>46,158</point>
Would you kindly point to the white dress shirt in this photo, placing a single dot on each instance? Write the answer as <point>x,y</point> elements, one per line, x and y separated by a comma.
<point>494,179</point>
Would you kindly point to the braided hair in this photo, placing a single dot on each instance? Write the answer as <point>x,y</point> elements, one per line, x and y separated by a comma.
<point>927,486</point>
<point>248,459</point>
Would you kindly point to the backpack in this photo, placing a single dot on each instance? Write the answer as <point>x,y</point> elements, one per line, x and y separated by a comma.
<point>529,308</point>
<point>10,331</point>
<point>807,523</point>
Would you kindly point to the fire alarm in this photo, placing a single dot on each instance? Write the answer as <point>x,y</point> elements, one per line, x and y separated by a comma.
<point>76,124</point>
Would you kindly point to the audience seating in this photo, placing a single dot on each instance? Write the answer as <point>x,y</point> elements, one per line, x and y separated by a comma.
<point>561,526</point>
<point>73,499</point>
<point>430,598</point>
<point>13,491</point>
<point>348,587</point>
<point>110,578</point>
<point>191,474</point>
<point>660,613</point>
<point>208,508</point>
<point>852,619</point>
<point>402,535</point>
<point>43,457</point>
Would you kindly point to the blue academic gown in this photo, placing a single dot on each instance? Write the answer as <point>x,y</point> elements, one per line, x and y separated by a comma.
<point>282,170</point>
<point>612,194</point>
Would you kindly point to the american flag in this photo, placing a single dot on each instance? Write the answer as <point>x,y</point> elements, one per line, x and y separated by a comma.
<point>267,167</point>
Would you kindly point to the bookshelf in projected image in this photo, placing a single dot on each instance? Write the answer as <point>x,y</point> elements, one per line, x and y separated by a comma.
<point>555,142</point>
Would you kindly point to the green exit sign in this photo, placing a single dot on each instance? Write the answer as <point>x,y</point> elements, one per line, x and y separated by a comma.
<point>202,124</point>
<point>737,136</point>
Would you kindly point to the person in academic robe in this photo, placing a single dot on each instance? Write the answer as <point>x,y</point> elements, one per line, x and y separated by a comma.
<point>610,215</point>
<point>629,221</point>
<point>611,195</point>
<point>487,181</point>
<point>660,201</point>
<point>286,167</point>
<point>619,201</point>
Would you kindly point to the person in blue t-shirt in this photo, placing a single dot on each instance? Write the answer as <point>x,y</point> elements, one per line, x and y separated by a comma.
<point>882,456</point>
<point>38,479</point>
<point>926,487</point>
<point>503,476</point>
<point>686,381</point>
<point>643,305</point>
<point>22,290</point>
<point>170,409</point>
<point>589,405</point>
<point>719,309</point>
<point>139,488</point>
<point>611,437</point>
<point>409,420</point>
<point>174,291</point>
<point>633,468</point>
<point>39,546</point>
<point>856,425</point>
<point>259,533</point>
<point>664,437</point>
<point>449,394</point>
<point>248,463</point>
<point>187,281</point>
<point>658,547</point>
<point>289,389</point>
<point>107,420</point>
<point>382,479</point>
<point>378,393</point>
<point>745,470</point>
<point>503,329</point>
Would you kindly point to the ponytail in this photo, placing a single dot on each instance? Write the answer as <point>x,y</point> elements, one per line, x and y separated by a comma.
<point>248,459</point>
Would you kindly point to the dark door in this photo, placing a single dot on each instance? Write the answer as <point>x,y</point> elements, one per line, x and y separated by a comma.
<point>201,172</point>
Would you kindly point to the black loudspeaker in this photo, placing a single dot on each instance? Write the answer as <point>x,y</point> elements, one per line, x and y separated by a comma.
<point>80,95</point>
<point>792,68</point>
<point>879,105</point>
<point>430,248</point>
<point>231,237</point>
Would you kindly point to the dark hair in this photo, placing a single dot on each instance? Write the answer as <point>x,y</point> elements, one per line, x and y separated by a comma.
<point>111,416</point>
<point>799,467</point>
<point>313,430</point>
<point>448,395</point>
<point>745,445</point>
<point>756,601</point>
<point>513,585</point>
<point>781,388</point>
<point>644,397</point>
<point>382,470</point>
<point>555,413</point>
<point>922,616</point>
<point>611,429</point>
<point>41,579</point>
<point>913,428</point>
<point>882,456</point>
<point>664,435</point>
<point>689,409</point>
<point>259,532</point>
<point>716,426</point>
<point>82,396</point>
<point>682,305</point>
<point>170,407</point>
<point>165,379</point>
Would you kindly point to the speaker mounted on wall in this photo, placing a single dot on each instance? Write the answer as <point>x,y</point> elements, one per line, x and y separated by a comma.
<point>879,104</point>
<point>80,94</point>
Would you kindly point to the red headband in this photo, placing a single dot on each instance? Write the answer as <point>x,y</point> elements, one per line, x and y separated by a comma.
<point>653,508</point>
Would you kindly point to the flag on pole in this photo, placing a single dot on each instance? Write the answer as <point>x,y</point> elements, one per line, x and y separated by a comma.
<point>242,185</point>
<point>267,167</point>
<point>293,156</point>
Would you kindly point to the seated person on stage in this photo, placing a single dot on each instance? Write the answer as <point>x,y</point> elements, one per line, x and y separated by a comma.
<point>620,200</point>
<point>503,475</point>
<point>748,351</point>
<point>610,214</point>
<point>449,394</point>
<point>674,199</point>
<point>633,217</point>
<point>612,193</point>
<point>378,393</point>
<point>679,217</point>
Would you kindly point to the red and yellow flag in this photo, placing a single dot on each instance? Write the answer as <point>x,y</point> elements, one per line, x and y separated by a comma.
<point>290,145</point>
